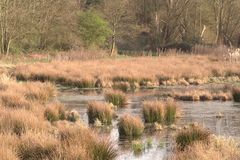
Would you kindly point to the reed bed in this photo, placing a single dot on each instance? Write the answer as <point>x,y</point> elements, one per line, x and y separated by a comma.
<point>165,70</point>
<point>100,111</point>
<point>130,127</point>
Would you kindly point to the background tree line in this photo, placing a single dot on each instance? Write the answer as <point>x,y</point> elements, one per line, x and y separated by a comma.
<point>40,25</point>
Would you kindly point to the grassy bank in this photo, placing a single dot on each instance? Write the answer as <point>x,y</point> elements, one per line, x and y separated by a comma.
<point>33,126</point>
<point>163,70</point>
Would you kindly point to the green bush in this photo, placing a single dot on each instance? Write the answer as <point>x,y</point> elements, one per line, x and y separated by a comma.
<point>94,30</point>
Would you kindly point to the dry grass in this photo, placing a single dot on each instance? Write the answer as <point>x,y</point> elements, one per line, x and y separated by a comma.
<point>192,68</point>
<point>38,145</point>
<point>130,127</point>
<point>19,121</point>
<point>55,112</point>
<point>153,111</point>
<point>190,136</point>
<point>26,134</point>
<point>219,149</point>
<point>196,95</point>
<point>7,146</point>
<point>117,98</point>
<point>101,111</point>
<point>160,112</point>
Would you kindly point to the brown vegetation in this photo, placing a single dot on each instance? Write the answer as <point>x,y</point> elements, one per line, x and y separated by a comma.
<point>130,127</point>
<point>218,149</point>
<point>26,133</point>
<point>163,70</point>
<point>101,111</point>
<point>202,96</point>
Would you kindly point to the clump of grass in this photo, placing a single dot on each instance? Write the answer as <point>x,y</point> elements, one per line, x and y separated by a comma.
<point>55,112</point>
<point>39,91</point>
<point>7,146</point>
<point>170,112</point>
<point>219,148</point>
<point>73,116</point>
<point>14,100</point>
<point>138,147</point>
<point>101,111</point>
<point>37,146</point>
<point>95,148</point>
<point>104,150</point>
<point>160,112</point>
<point>130,127</point>
<point>123,86</point>
<point>117,98</point>
<point>153,111</point>
<point>19,121</point>
<point>236,94</point>
<point>188,137</point>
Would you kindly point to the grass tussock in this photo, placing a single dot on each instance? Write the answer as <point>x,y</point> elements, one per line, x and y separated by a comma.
<point>26,134</point>
<point>37,146</point>
<point>14,100</point>
<point>92,148</point>
<point>170,112</point>
<point>153,111</point>
<point>219,148</point>
<point>171,70</point>
<point>55,112</point>
<point>19,121</point>
<point>190,136</point>
<point>236,94</point>
<point>7,146</point>
<point>160,112</point>
<point>117,98</point>
<point>130,127</point>
<point>101,111</point>
<point>202,96</point>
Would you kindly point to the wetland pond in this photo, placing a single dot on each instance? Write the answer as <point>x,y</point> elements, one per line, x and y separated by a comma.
<point>159,144</point>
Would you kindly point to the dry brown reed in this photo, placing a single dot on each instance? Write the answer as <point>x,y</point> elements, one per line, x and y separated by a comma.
<point>195,69</point>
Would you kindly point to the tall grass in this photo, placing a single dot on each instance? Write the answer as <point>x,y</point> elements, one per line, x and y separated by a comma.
<point>37,146</point>
<point>19,121</point>
<point>219,148</point>
<point>101,111</point>
<point>188,137</point>
<point>170,112</point>
<point>130,127</point>
<point>55,112</point>
<point>85,73</point>
<point>160,112</point>
<point>153,111</point>
<point>27,134</point>
<point>117,98</point>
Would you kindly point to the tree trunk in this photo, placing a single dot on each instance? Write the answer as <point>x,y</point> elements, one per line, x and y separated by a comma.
<point>113,45</point>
